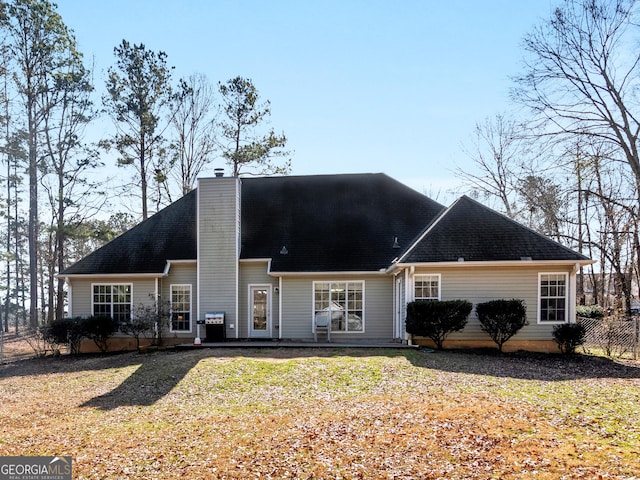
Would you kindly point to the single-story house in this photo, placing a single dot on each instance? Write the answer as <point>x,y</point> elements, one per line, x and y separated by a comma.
<point>277,255</point>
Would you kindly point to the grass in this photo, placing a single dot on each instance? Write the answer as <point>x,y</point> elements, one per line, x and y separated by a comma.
<point>313,413</point>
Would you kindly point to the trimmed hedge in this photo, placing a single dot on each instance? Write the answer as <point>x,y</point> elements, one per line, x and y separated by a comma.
<point>99,329</point>
<point>589,311</point>
<point>569,336</point>
<point>71,331</point>
<point>437,319</point>
<point>502,319</point>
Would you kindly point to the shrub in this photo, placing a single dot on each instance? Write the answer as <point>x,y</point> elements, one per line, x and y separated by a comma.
<point>502,319</point>
<point>38,342</point>
<point>589,311</point>
<point>569,336</point>
<point>99,329</point>
<point>152,318</point>
<point>437,319</point>
<point>65,331</point>
<point>140,326</point>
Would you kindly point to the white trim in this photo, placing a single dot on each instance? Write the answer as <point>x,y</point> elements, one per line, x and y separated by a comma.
<point>328,274</point>
<point>190,307</point>
<point>70,299</point>
<point>280,308</point>
<point>497,263</point>
<point>111,285</point>
<point>89,276</point>
<point>571,295</point>
<point>413,284</point>
<point>567,294</point>
<point>198,273</point>
<point>170,263</point>
<point>364,314</point>
<point>407,296</point>
<point>260,286</point>
<point>397,306</point>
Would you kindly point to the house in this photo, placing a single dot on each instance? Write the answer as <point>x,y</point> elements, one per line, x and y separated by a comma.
<point>275,255</point>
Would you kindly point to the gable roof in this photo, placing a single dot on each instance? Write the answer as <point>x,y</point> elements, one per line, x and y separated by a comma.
<point>331,222</point>
<point>474,232</point>
<point>170,234</point>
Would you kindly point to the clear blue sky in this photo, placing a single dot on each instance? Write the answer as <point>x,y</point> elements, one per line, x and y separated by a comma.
<point>356,85</point>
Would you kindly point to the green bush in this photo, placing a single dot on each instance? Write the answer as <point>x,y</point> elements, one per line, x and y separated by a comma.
<point>502,319</point>
<point>569,336</point>
<point>589,311</point>
<point>99,329</point>
<point>65,331</point>
<point>437,319</point>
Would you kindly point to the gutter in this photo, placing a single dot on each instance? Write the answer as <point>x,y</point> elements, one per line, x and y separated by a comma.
<point>525,262</point>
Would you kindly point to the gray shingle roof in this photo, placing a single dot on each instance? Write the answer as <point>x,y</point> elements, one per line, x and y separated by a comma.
<point>330,223</point>
<point>170,234</point>
<point>474,232</point>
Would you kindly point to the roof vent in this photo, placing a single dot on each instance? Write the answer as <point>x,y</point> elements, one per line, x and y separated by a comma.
<point>218,172</point>
<point>525,259</point>
<point>461,259</point>
<point>395,242</point>
<point>284,251</point>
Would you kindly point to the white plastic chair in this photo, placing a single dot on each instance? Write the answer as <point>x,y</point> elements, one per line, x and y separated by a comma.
<point>322,322</point>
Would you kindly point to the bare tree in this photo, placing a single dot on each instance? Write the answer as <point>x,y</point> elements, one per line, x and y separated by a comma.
<point>496,151</point>
<point>194,124</point>
<point>581,75</point>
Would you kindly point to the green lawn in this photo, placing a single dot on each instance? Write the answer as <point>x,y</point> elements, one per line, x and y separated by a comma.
<point>313,413</point>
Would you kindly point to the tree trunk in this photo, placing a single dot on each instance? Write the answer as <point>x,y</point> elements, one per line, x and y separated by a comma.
<point>33,217</point>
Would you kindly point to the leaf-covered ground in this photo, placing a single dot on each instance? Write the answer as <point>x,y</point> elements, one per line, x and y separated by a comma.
<point>315,414</point>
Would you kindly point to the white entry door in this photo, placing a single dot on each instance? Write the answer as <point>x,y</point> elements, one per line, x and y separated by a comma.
<point>260,311</point>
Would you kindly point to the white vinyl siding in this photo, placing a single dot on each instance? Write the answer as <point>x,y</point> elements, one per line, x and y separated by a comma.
<point>143,292</point>
<point>482,284</point>
<point>218,247</point>
<point>297,299</point>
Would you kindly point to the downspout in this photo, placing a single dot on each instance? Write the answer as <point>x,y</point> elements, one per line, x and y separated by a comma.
<point>69,299</point>
<point>280,308</point>
<point>407,274</point>
<point>573,292</point>
<point>397,307</point>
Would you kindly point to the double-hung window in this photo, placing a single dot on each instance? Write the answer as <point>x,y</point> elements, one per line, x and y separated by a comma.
<point>112,300</point>
<point>180,308</point>
<point>426,287</point>
<point>553,297</point>
<point>341,303</point>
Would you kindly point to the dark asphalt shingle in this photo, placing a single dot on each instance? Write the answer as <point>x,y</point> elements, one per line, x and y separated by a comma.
<point>474,232</point>
<point>330,223</point>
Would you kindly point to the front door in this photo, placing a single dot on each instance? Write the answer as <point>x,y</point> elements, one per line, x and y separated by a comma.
<point>260,311</point>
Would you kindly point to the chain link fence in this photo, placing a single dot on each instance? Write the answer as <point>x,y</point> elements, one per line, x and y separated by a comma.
<point>613,336</point>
